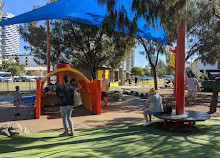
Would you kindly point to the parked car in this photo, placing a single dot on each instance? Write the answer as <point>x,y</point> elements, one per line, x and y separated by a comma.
<point>8,80</point>
<point>32,79</point>
<point>6,77</point>
<point>148,78</point>
<point>28,79</point>
<point>168,77</point>
<point>17,79</point>
<point>2,79</point>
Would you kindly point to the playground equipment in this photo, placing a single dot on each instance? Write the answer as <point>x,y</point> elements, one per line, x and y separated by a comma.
<point>88,14</point>
<point>90,91</point>
<point>191,117</point>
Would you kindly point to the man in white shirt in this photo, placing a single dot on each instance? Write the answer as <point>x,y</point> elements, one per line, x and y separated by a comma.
<point>193,84</point>
<point>104,89</point>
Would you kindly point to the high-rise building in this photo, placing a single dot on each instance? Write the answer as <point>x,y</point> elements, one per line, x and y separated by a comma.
<point>9,37</point>
<point>0,27</point>
<point>129,63</point>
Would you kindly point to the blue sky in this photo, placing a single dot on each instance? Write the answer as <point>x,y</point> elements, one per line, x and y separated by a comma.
<point>18,7</point>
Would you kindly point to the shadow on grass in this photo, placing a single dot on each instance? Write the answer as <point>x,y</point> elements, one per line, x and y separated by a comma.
<point>131,140</point>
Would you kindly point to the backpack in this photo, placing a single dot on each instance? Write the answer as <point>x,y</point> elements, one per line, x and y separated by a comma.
<point>167,110</point>
<point>60,93</point>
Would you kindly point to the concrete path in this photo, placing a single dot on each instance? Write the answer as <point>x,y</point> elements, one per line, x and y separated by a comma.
<point>118,113</point>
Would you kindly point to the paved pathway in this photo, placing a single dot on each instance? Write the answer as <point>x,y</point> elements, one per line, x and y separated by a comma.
<point>118,113</point>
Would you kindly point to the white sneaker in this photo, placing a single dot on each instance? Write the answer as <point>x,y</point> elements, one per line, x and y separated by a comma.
<point>147,123</point>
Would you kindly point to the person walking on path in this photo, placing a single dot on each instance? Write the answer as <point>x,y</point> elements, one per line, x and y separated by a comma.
<point>18,101</point>
<point>136,81</point>
<point>104,89</point>
<point>193,84</point>
<point>154,106</point>
<point>65,93</point>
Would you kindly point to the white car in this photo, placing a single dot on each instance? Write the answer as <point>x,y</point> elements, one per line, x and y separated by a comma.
<point>8,79</point>
<point>2,79</point>
<point>32,79</point>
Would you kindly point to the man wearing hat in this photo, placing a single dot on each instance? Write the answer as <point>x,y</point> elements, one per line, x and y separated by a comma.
<point>154,106</point>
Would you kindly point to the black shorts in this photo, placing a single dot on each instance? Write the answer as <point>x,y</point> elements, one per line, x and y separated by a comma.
<point>103,94</point>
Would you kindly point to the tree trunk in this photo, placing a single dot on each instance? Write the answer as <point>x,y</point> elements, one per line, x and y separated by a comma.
<point>93,73</point>
<point>155,76</point>
<point>214,100</point>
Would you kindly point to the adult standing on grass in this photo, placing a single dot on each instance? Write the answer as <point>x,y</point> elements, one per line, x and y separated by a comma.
<point>104,89</point>
<point>193,84</point>
<point>65,94</point>
<point>154,106</point>
<point>18,101</point>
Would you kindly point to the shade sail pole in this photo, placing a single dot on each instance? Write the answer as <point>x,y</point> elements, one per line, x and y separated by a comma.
<point>48,49</point>
<point>180,59</point>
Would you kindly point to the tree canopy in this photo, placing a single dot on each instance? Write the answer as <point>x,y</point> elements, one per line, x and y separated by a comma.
<point>15,68</point>
<point>202,39</point>
<point>85,46</point>
<point>137,71</point>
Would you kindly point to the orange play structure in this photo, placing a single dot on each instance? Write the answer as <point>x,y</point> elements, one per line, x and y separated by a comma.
<point>90,91</point>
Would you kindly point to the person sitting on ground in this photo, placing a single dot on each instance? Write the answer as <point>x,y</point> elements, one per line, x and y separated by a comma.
<point>18,101</point>
<point>154,106</point>
<point>192,83</point>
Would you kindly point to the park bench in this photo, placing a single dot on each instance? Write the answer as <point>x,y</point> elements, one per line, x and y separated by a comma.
<point>190,116</point>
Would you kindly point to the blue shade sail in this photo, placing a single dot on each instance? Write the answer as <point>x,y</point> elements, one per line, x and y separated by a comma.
<point>91,13</point>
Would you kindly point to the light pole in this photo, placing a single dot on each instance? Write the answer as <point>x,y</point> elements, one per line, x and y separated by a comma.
<point>48,49</point>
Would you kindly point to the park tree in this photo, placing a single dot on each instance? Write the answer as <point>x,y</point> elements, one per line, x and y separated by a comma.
<point>15,68</point>
<point>86,46</point>
<point>151,52</point>
<point>202,39</point>
<point>137,71</point>
<point>29,73</point>
<point>169,71</point>
<point>146,71</point>
<point>161,68</point>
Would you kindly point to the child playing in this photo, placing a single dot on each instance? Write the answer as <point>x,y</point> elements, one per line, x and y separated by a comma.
<point>17,100</point>
<point>154,106</point>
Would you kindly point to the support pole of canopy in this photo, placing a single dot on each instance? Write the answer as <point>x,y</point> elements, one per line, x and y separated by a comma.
<point>48,49</point>
<point>180,59</point>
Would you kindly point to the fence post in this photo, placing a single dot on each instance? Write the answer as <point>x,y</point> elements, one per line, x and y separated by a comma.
<point>7,87</point>
<point>29,85</point>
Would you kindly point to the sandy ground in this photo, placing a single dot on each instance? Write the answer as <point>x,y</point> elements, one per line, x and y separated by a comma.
<point>128,110</point>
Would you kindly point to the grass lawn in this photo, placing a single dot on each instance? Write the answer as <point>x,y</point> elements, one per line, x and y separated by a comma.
<point>131,140</point>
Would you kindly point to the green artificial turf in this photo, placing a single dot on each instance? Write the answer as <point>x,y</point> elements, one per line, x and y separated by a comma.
<point>131,140</point>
